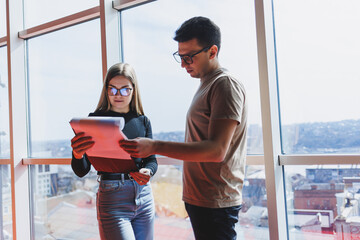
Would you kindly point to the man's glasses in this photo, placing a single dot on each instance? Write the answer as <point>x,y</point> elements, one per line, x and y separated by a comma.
<point>188,59</point>
<point>122,91</point>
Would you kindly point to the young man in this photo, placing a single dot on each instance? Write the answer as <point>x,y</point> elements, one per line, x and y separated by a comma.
<point>214,150</point>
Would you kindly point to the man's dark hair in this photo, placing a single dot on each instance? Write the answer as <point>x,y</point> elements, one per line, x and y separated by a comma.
<point>203,29</point>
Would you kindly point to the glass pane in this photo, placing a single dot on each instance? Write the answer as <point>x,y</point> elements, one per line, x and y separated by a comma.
<point>65,80</point>
<point>253,217</point>
<point>4,106</point>
<point>41,11</point>
<point>166,88</point>
<point>171,221</point>
<point>323,201</point>
<point>59,197</point>
<point>2,18</point>
<point>171,217</point>
<point>64,206</point>
<point>318,67</point>
<point>5,203</point>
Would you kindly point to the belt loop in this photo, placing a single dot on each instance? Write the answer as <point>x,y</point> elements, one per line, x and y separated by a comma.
<point>122,178</point>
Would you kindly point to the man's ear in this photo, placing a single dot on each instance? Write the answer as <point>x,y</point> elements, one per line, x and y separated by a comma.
<point>213,51</point>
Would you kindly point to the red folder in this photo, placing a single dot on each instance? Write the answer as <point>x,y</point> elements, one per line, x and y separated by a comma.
<point>106,155</point>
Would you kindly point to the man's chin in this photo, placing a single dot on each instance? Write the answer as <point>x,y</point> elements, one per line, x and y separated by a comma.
<point>194,75</point>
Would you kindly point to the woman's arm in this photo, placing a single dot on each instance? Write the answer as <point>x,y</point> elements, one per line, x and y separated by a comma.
<point>79,163</point>
<point>81,167</point>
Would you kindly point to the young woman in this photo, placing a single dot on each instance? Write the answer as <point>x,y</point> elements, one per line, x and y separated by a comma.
<point>125,205</point>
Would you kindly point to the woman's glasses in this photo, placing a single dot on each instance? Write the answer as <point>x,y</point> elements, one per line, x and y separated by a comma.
<point>122,91</point>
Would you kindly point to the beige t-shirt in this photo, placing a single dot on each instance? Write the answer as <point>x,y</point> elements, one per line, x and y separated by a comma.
<point>209,184</point>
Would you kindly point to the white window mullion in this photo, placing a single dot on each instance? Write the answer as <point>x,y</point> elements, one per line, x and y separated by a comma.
<point>270,120</point>
<point>110,34</point>
<point>319,159</point>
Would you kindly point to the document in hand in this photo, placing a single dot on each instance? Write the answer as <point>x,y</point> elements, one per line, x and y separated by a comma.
<point>106,154</point>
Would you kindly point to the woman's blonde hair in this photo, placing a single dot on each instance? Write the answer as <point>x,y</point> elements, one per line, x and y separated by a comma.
<point>121,69</point>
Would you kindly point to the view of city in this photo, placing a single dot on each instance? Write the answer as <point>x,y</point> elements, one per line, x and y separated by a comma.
<point>320,200</point>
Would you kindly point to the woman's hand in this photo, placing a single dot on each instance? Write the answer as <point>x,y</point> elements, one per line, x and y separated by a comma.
<point>80,144</point>
<point>142,176</point>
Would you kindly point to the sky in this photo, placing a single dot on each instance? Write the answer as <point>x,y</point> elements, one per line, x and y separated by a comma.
<point>318,57</point>
<point>317,60</point>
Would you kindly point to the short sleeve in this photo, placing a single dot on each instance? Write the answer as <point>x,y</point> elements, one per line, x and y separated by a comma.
<point>227,99</point>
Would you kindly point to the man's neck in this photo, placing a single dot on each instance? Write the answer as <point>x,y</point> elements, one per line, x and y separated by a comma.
<point>211,68</point>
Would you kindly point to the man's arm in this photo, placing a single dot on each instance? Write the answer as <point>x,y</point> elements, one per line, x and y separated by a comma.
<point>212,150</point>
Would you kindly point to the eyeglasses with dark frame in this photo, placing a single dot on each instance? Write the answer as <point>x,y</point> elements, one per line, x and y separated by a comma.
<point>188,59</point>
<point>113,91</point>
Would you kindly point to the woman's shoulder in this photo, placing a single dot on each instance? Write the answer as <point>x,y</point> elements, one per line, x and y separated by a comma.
<point>143,119</point>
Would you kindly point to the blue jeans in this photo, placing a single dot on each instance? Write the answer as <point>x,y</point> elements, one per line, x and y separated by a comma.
<point>125,210</point>
<point>213,223</point>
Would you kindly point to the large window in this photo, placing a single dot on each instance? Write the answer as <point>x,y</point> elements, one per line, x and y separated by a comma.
<point>65,81</point>
<point>318,66</point>
<point>317,58</point>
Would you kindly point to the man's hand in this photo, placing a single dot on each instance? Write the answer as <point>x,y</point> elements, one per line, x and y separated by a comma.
<point>138,147</point>
<point>80,144</point>
<point>141,177</point>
